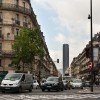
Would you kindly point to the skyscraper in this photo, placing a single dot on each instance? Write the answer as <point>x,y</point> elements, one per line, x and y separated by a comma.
<point>65,57</point>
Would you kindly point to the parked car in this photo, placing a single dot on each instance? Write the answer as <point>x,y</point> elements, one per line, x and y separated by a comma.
<point>35,84</point>
<point>66,84</point>
<point>43,81</point>
<point>76,83</point>
<point>87,84</point>
<point>17,82</point>
<point>53,83</point>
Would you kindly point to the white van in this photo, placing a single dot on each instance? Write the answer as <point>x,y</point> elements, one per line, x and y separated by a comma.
<point>17,82</point>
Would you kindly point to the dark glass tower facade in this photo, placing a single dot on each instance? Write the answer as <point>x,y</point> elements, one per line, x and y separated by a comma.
<point>65,57</point>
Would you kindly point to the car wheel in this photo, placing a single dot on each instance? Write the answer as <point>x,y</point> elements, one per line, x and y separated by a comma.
<point>69,88</point>
<point>43,90</point>
<point>30,90</point>
<point>81,87</point>
<point>20,89</point>
<point>62,89</point>
<point>3,91</point>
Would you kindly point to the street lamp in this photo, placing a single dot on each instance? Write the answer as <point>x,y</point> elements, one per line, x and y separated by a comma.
<point>90,17</point>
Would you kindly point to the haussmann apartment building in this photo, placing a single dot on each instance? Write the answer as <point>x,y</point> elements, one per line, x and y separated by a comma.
<point>15,14</point>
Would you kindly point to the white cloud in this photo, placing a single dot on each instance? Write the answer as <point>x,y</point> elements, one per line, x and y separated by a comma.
<point>60,38</point>
<point>72,15</point>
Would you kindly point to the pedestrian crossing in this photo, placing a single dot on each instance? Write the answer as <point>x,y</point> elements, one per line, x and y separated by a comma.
<point>50,97</point>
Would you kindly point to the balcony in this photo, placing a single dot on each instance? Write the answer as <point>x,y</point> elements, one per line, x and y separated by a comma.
<point>13,7</point>
<point>7,54</point>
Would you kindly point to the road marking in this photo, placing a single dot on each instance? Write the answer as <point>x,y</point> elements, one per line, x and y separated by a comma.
<point>49,97</point>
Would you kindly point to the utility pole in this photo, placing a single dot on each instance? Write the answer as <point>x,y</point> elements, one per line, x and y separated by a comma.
<point>90,17</point>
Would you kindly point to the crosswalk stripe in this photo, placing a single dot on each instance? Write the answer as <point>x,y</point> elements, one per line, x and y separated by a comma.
<point>49,97</point>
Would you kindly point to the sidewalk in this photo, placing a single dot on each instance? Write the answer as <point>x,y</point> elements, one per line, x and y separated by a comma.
<point>96,90</point>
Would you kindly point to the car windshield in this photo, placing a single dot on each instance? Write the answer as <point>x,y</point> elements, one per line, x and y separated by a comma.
<point>52,79</point>
<point>13,76</point>
<point>68,78</point>
<point>77,81</point>
<point>65,81</point>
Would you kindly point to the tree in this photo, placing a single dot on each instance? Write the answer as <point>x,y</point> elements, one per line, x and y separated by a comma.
<point>27,45</point>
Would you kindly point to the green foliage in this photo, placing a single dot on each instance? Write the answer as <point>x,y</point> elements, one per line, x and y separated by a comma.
<point>27,45</point>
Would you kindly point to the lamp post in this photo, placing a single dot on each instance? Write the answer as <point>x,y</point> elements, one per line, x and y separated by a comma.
<point>90,17</point>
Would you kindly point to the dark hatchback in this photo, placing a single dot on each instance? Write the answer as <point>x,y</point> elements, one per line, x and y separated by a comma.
<point>53,83</point>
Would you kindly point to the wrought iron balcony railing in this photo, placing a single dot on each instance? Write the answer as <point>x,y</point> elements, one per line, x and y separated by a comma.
<point>13,7</point>
<point>7,53</point>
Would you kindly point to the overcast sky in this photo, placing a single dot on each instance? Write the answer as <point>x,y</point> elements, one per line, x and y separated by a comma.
<point>66,22</point>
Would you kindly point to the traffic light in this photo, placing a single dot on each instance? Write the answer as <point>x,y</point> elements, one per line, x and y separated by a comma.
<point>57,60</point>
<point>87,52</point>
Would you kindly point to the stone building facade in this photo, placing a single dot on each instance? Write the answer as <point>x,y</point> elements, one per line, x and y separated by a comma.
<point>80,66</point>
<point>15,14</point>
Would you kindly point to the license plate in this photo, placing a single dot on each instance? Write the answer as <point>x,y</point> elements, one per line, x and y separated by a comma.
<point>7,88</point>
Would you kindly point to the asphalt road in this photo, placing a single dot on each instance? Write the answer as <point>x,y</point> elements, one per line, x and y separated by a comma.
<point>37,94</point>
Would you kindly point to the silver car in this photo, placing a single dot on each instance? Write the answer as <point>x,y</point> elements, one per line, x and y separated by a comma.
<point>77,83</point>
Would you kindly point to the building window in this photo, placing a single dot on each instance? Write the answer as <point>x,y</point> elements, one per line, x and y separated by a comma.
<point>17,31</point>
<point>24,4</point>
<point>0,1</point>
<point>17,16</point>
<point>0,46</point>
<point>17,2</point>
<point>0,17</point>
<point>25,21</point>
<point>8,35</point>
<point>0,63</point>
<point>17,19</point>
<point>0,32</point>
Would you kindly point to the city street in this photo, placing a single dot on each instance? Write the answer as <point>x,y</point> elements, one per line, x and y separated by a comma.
<point>37,94</point>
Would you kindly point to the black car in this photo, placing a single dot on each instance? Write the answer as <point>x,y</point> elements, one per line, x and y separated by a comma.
<point>66,84</point>
<point>53,83</point>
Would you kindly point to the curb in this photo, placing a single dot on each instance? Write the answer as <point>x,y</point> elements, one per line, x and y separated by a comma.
<point>85,92</point>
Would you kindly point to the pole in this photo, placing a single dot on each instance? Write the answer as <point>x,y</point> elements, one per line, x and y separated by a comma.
<point>91,46</point>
